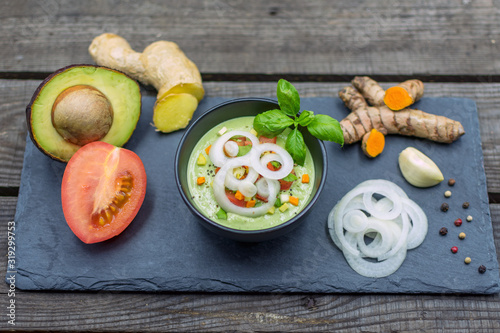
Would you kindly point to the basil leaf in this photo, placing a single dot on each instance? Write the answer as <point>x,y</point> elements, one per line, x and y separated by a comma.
<point>271,123</point>
<point>288,98</point>
<point>243,150</point>
<point>290,178</point>
<point>296,146</point>
<point>221,214</point>
<point>325,127</point>
<point>305,118</point>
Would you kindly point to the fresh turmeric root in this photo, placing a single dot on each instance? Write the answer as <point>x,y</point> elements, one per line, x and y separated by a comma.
<point>162,65</point>
<point>364,118</point>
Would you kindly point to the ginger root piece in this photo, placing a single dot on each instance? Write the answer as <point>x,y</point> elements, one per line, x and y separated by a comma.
<point>373,143</point>
<point>404,94</point>
<point>364,118</point>
<point>164,66</point>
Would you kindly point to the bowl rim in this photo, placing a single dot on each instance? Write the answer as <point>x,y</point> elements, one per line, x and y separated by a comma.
<point>239,232</point>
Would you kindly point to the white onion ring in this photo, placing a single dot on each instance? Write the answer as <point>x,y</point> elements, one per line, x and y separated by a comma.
<point>247,188</point>
<point>355,221</point>
<point>223,201</point>
<point>231,148</point>
<point>233,183</point>
<point>286,160</point>
<point>216,152</point>
<point>395,223</point>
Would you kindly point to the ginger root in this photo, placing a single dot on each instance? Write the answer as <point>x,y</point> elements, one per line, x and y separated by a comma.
<point>363,118</point>
<point>164,66</point>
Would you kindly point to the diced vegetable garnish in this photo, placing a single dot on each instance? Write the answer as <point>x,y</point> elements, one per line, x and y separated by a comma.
<point>294,200</point>
<point>305,178</point>
<point>239,196</point>
<point>221,214</point>
<point>284,207</point>
<point>200,180</point>
<point>250,203</point>
<point>202,160</point>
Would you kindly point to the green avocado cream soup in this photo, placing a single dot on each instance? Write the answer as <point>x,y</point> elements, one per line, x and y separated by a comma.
<point>246,182</point>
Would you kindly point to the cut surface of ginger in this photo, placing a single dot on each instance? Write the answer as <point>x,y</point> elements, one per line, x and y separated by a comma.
<point>173,112</point>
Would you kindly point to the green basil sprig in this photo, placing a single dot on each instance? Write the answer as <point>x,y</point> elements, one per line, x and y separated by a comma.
<point>273,122</point>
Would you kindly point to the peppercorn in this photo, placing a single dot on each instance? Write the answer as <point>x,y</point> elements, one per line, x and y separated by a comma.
<point>467,260</point>
<point>458,222</point>
<point>443,231</point>
<point>461,235</point>
<point>451,182</point>
<point>447,194</point>
<point>469,218</point>
<point>445,207</point>
<point>454,249</point>
<point>465,205</point>
<point>481,269</point>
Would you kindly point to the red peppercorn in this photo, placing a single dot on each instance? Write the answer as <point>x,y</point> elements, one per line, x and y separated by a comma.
<point>458,222</point>
<point>454,249</point>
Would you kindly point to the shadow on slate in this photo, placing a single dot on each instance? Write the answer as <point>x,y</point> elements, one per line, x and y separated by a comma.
<point>166,249</point>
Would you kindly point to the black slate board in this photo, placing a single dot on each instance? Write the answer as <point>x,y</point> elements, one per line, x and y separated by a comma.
<point>166,249</point>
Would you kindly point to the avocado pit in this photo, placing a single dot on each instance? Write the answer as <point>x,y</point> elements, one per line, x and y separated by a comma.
<point>82,114</point>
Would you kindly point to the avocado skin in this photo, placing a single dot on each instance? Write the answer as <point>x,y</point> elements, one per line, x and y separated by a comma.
<point>29,107</point>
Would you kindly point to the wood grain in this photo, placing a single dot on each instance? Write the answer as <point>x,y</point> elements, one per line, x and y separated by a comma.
<point>15,95</point>
<point>202,312</point>
<point>235,36</point>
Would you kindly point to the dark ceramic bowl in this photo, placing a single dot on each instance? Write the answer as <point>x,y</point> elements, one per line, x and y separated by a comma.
<point>218,114</point>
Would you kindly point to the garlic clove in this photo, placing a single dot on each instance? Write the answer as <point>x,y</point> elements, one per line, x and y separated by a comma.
<point>418,169</point>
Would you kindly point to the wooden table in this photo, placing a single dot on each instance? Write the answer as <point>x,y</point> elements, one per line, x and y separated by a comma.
<point>242,48</point>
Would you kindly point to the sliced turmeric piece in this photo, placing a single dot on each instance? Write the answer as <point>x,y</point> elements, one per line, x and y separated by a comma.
<point>404,94</point>
<point>373,143</point>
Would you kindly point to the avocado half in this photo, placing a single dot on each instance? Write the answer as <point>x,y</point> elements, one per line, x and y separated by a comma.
<point>79,104</point>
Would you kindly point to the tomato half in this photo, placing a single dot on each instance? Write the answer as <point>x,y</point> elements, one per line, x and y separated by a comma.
<point>102,189</point>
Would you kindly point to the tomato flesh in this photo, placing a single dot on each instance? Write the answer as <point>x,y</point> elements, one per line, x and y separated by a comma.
<point>102,190</point>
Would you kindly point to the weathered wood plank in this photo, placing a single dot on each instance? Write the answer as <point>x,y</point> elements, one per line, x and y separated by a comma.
<point>304,37</point>
<point>15,95</point>
<point>103,311</point>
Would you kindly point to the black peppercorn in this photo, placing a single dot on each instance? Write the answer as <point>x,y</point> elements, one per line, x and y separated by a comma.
<point>445,207</point>
<point>443,231</point>
<point>465,205</point>
<point>481,269</point>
